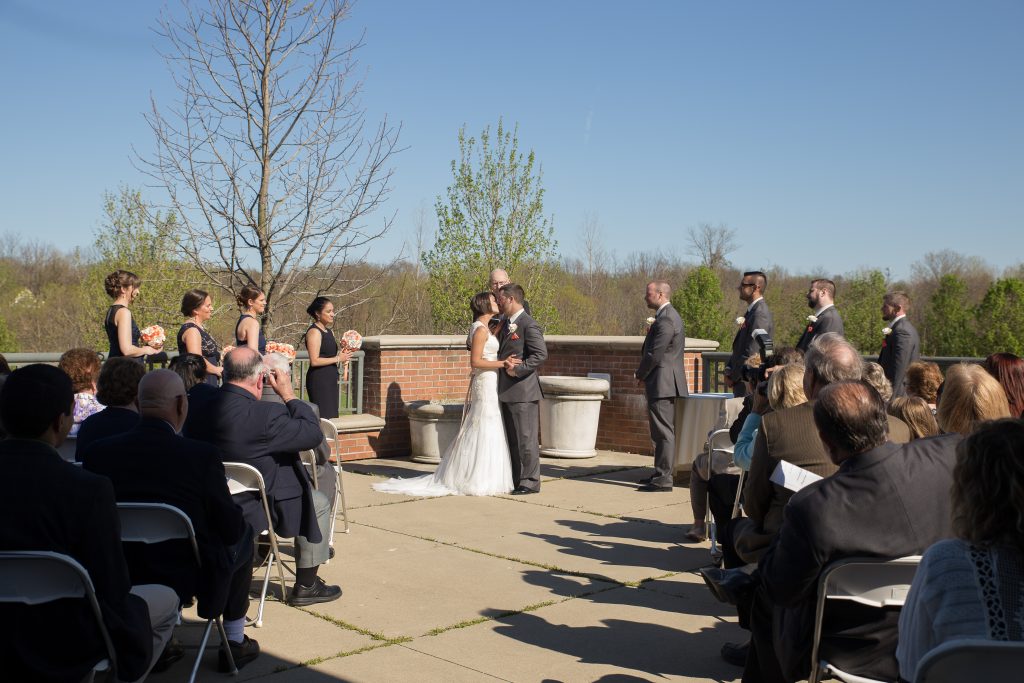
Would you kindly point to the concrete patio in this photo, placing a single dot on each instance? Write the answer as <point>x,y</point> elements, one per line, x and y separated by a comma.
<point>587,581</point>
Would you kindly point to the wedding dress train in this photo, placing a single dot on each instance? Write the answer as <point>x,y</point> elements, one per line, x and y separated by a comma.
<point>477,462</point>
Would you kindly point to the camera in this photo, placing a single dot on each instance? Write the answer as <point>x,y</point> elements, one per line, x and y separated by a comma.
<point>766,350</point>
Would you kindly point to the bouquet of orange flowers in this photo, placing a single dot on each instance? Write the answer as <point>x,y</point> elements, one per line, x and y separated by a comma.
<point>153,335</point>
<point>280,347</point>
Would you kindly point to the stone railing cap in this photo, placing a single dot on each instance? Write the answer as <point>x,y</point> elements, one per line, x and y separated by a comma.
<point>432,409</point>
<point>449,341</point>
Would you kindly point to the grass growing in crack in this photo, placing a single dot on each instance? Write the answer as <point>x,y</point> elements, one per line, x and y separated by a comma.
<point>361,631</point>
<point>500,615</point>
<point>347,653</point>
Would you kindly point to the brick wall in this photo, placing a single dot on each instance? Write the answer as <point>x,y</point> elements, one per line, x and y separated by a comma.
<point>399,369</point>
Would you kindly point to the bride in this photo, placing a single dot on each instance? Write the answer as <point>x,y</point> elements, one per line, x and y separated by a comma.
<point>477,463</point>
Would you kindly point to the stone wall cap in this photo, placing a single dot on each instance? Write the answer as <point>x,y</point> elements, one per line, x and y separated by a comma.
<point>458,342</point>
<point>434,410</point>
<point>562,385</point>
<point>363,422</point>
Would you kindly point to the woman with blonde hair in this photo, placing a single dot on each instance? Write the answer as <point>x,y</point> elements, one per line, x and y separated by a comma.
<point>971,586</point>
<point>915,412</point>
<point>970,396</point>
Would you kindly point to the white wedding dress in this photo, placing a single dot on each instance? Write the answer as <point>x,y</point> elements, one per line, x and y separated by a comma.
<point>477,462</point>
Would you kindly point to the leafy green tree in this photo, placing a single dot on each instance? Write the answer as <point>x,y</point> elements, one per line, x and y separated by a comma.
<point>860,302</point>
<point>1000,318</point>
<point>135,238</point>
<point>949,320</point>
<point>699,302</point>
<point>8,344</point>
<point>493,217</point>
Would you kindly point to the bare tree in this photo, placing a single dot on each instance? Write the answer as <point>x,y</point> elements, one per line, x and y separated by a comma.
<point>593,257</point>
<point>266,156</point>
<point>712,244</point>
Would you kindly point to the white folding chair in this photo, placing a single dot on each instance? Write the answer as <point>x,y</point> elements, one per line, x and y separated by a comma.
<point>308,458</point>
<point>719,442</point>
<point>871,581</point>
<point>39,577</point>
<point>972,659</point>
<point>159,522</point>
<point>330,433</point>
<point>243,478</point>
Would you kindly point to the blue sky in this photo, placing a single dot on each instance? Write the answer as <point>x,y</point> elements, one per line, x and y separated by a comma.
<point>830,136</point>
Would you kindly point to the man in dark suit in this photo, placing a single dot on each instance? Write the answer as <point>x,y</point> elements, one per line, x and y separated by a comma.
<point>756,317</point>
<point>152,464</point>
<point>52,505</point>
<point>520,339</point>
<point>269,436</point>
<point>497,280</point>
<point>886,500</point>
<point>663,377</point>
<point>901,346</point>
<point>821,298</point>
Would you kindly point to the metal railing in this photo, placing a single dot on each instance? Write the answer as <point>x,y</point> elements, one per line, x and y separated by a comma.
<point>712,368</point>
<point>350,387</point>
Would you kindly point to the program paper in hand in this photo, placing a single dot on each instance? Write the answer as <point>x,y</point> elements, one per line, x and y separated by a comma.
<point>789,476</point>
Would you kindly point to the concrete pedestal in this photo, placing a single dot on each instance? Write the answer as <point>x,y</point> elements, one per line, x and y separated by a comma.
<point>569,414</point>
<point>432,428</point>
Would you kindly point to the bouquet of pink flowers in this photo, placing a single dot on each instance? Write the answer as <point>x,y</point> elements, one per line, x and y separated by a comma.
<point>153,335</point>
<point>352,340</point>
<point>280,347</point>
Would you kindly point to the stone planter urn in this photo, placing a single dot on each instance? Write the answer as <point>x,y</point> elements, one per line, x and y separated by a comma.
<point>432,428</point>
<point>569,413</point>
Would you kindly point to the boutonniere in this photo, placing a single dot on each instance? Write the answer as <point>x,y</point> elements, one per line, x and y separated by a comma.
<point>650,321</point>
<point>740,321</point>
<point>512,330</point>
<point>812,319</point>
<point>886,331</point>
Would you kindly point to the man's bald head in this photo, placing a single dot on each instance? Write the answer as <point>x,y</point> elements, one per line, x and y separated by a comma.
<point>851,419</point>
<point>830,359</point>
<point>162,395</point>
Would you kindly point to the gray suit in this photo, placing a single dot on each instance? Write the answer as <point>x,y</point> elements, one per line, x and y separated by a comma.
<point>828,321</point>
<point>757,317</point>
<point>664,376</point>
<point>901,348</point>
<point>520,395</point>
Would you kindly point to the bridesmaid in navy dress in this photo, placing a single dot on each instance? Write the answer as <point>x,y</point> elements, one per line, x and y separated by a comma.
<point>248,332</point>
<point>123,334</point>
<point>197,307</point>
<point>324,356</point>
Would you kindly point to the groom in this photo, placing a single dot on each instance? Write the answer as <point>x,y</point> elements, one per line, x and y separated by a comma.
<point>522,347</point>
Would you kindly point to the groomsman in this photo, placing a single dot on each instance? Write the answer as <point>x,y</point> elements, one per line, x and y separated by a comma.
<point>662,373</point>
<point>826,318</point>
<point>900,344</point>
<point>757,317</point>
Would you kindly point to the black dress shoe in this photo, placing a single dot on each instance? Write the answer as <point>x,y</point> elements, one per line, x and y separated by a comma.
<point>522,491</point>
<point>736,653</point>
<point>173,651</point>
<point>646,480</point>
<point>311,595</point>
<point>243,653</point>
<point>651,488</point>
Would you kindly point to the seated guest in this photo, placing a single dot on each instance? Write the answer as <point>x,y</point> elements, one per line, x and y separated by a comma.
<point>189,475</point>
<point>52,505</point>
<point>190,367</point>
<point>972,586</point>
<point>886,500</point>
<point>278,362</point>
<point>923,380</point>
<point>916,413</point>
<point>1008,369</point>
<point>116,388</point>
<point>83,367</point>
<point>875,376</point>
<point>268,436</point>
<point>970,396</point>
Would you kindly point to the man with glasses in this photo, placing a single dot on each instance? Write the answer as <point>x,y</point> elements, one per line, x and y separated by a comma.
<point>498,279</point>
<point>756,317</point>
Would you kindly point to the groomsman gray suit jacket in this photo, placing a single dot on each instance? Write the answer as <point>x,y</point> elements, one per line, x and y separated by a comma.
<point>900,348</point>
<point>757,317</point>
<point>828,321</point>
<point>662,368</point>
